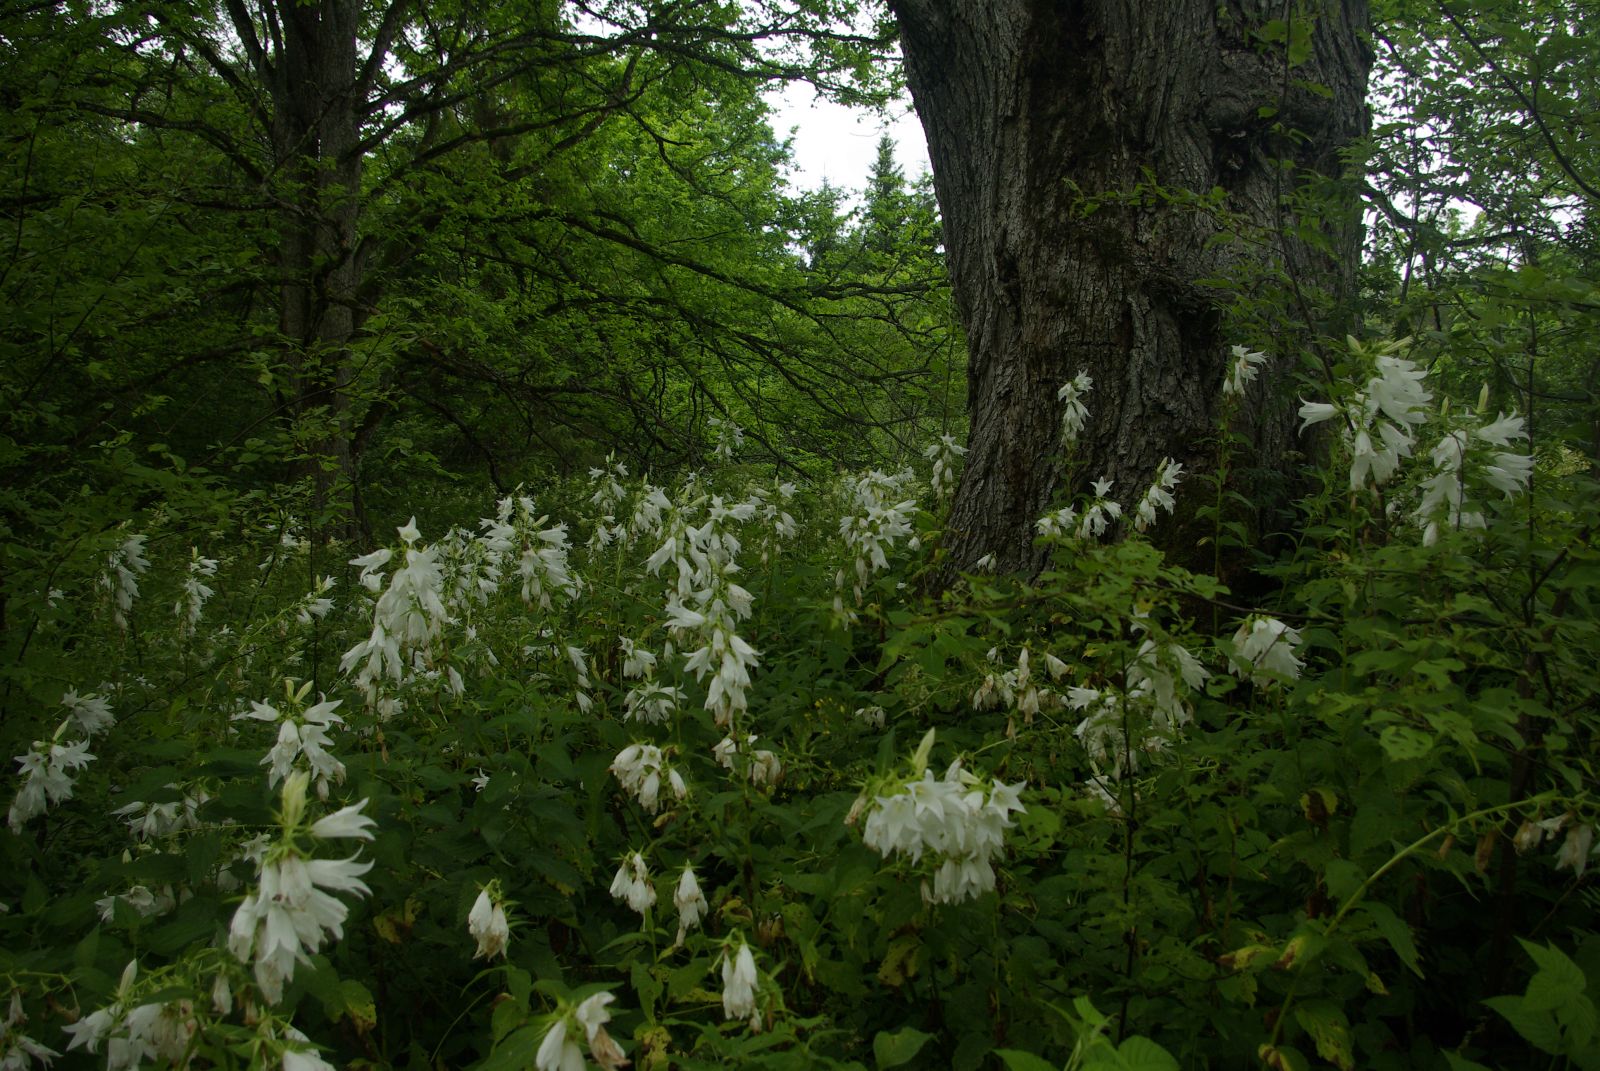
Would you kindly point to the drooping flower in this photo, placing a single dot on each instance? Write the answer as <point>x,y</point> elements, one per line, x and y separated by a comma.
<point>952,819</point>
<point>292,911</point>
<point>1575,849</point>
<point>90,713</point>
<point>487,925</point>
<point>558,1051</point>
<point>643,772</point>
<point>1159,496</point>
<point>124,566</point>
<point>1074,414</point>
<point>195,590</point>
<point>946,455</point>
<point>739,982</point>
<point>1264,650</point>
<point>46,776</point>
<point>764,767</point>
<point>632,883</point>
<point>690,902</point>
<point>1246,364</point>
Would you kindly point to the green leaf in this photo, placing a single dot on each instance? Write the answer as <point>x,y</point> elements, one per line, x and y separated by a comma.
<point>1461,1063</point>
<point>1537,1028</point>
<point>1396,932</point>
<point>892,1050</point>
<point>1401,742</point>
<point>516,1052</point>
<point>1016,1060</point>
<point>1142,1054</point>
<point>1329,1028</point>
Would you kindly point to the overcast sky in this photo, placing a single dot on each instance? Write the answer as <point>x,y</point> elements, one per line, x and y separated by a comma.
<point>839,143</point>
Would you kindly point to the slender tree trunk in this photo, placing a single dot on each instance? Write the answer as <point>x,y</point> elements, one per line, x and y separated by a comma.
<point>1072,141</point>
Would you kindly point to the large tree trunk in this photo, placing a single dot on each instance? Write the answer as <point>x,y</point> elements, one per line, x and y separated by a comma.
<point>310,64</point>
<point>1059,131</point>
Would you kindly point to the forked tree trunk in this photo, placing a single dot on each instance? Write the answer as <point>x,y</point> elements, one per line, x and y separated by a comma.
<point>1070,140</point>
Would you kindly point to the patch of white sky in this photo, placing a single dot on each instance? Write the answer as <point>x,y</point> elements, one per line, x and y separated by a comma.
<point>833,143</point>
<point>829,142</point>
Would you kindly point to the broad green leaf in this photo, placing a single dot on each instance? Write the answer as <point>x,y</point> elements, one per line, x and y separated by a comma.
<point>1329,1029</point>
<point>894,1049</point>
<point>1016,1060</point>
<point>1401,742</point>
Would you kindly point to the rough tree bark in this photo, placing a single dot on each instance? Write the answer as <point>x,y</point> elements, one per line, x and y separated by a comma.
<point>317,86</point>
<point>1038,110</point>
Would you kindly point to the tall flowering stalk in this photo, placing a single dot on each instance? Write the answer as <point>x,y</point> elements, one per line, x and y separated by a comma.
<point>195,591</point>
<point>879,516</point>
<point>1381,417</point>
<point>302,734</point>
<point>47,768</point>
<point>1471,458</point>
<point>946,455</point>
<point>707,605</point>
<point>1074,414</point>
<point>292,911</point>
<point>407,617</point>
<point>124,566</point>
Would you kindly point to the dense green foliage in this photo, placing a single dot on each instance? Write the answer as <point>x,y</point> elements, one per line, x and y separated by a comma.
<point>639,438</point>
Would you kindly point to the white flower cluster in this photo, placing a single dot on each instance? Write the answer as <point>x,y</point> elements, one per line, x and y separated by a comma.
<point>1577,847</point>
<point>315,604</point>
<point>148,821</point>
<point>407,617</point>
<point>762,767</point>
<point>1159,496</point>
<point>777,525</point>
<point>1264,650</point>
<point>632,884</point>
<point>541,553</point>
<point>149,903</point>
<point>1151,705</point>
<point>124,566</point>
<point>1067,524</point>
<point>292,910</point>
<point>878,516</point>
<point>946,455</point>
<point>1074,414</point>
<point>1470,452</point>
<point>559,1050</point>
<point>1380,418</point>
<point>136,1033</point>
<point>1017,688</point>
<point>703,556</point>
<point>302,731</point>
<point>1246,364</point>
<point>642,770</point>
<point>608,495</point>
<point>195,590</point>
<point>18,1050</point>
<point>957,820</point>
<point>47,767</point>
<point>486,923</point>
<point>90,714</point>
<point>730,437</point>
<point>651,701</point>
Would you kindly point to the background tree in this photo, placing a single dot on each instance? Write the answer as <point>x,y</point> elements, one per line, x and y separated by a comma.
<point>461,240</point>
<point>1091,161</point>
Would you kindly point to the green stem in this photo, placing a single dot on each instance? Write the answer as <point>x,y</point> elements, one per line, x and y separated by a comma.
<point>1393,861</point>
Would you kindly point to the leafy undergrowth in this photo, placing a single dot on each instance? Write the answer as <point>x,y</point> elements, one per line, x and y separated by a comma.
<point>667,776</point>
